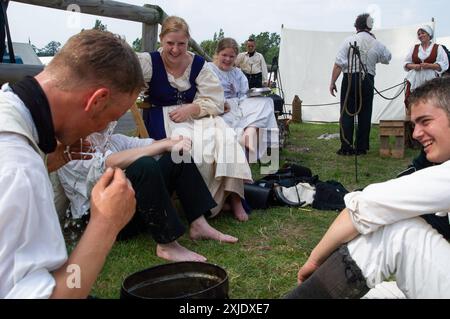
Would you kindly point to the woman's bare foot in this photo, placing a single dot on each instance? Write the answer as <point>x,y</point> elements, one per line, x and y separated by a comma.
<point>238,210</point>
<point>201,229</point>
<point>175,252</point>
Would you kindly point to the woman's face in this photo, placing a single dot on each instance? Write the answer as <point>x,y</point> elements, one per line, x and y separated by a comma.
<point>226,58</point>
<point>423,36</point>
<point>175,45</point>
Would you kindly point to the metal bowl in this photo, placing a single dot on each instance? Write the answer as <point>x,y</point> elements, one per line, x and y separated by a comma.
<point>179,280</point>
<point>254,92</point>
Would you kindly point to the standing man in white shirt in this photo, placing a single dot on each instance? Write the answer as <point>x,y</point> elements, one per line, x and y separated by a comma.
<point>253,65</point>
<point>358,67</point>
<point>93,80</point>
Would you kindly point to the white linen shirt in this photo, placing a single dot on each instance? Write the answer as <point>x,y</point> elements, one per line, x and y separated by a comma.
<point>418,77</point>
<point>252,64</point>
<point>423,192</point>
<point>31,241</point>
<point>372,52</point>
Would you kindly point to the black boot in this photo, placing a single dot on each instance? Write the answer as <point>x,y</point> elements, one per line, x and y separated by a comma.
<point>338,277</point>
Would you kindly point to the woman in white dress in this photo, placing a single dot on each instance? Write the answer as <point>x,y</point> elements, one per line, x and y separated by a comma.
<point>425,61</point>
<point>186,98</point>
<point>252,118</point>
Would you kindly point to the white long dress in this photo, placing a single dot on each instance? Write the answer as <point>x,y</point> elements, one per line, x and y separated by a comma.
<point>215,150</point>
<point>419,77</point>
<point>247,112</point>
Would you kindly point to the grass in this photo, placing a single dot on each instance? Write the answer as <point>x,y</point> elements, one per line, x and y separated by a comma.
<point>274,242</point>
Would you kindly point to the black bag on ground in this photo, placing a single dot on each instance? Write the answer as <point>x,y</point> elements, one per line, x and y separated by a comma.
<point>289,175</point>
<point>258,196</point>
<point>261,194</point>
<point>329,196</point>
<point>278,103</point>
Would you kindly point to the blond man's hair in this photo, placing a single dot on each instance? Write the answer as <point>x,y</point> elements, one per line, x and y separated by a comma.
<point>94,58</point>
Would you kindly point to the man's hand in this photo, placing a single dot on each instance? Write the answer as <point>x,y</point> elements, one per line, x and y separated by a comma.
<point>112,200</point>
<point>184,113</point>
<point>333,89</point>
<point>306,271</point>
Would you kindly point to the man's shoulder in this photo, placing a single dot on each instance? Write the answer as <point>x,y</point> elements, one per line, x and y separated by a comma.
<point>17,153</point>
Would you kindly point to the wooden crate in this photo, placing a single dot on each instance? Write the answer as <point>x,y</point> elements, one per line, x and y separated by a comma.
<point>396,129</point>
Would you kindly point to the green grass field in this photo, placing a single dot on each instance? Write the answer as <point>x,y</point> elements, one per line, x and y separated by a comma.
<point>274,242</point>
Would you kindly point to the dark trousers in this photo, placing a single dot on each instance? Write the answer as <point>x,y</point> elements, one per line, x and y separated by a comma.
<point>364,116</point>
<point>254,80</point>
<point>338,277</point>
<point>154,181</point>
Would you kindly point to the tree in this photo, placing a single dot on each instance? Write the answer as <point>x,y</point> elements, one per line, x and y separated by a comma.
<point>209,46</point>
<point>50,49</point>
<point>99,25</point>
<point>268,44</point>
<point>137,45</point>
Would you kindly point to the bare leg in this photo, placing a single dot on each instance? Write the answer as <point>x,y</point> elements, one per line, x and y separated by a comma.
<point>238,210</point>
<point>250,139</point>
<point>175,252</point>
<point>201,229</point>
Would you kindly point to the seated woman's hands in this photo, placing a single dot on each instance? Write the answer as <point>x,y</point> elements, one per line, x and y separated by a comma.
<point>184,113</point>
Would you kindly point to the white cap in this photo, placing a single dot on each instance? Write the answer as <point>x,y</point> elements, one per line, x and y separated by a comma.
<point>427,29</point>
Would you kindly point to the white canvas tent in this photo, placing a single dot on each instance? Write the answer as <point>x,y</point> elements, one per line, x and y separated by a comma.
<point>306,60</point>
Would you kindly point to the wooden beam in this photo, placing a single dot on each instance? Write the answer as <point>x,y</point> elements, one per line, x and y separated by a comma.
<point>14,72</point>
<point>104,8</point>
<point>150,31</point>
<point>148,14</point>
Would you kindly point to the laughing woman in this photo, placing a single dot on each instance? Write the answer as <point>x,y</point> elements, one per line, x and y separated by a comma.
<point>252,118</point>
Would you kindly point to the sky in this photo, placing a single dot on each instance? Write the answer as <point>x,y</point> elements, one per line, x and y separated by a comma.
<point>237,18</point>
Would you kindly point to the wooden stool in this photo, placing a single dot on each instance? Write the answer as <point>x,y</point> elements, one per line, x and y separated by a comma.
<point>396,129</point>
<point>142,130</point>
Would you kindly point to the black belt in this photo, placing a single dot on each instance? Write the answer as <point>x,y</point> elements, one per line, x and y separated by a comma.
<point>253,75</point>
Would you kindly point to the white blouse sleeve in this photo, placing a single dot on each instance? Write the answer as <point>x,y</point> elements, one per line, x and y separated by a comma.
<point>442,60</point>
<point>146,64</point>
<point>210,96</point>
<point>423,192</point>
